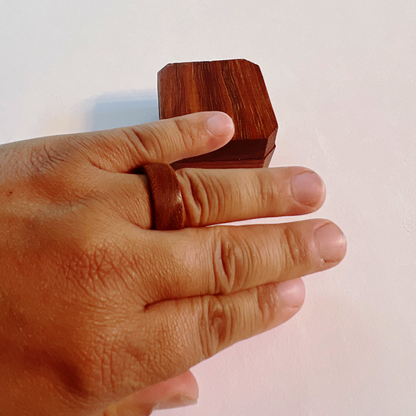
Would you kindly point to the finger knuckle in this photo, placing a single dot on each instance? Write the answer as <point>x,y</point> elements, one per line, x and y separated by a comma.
<point>230,265</point>
<point>151,140</point>
<point>185,133</point>
<point>216,325</point>
<point>267,304</point>
<point>295,253</point>
<point>146,141</point>
<point>267,194</point>
<point>199,199</point>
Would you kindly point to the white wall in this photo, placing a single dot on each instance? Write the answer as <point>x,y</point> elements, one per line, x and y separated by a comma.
<point>342,79</point>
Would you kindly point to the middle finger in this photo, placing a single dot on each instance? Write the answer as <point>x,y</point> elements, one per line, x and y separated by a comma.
<point>222,195</point>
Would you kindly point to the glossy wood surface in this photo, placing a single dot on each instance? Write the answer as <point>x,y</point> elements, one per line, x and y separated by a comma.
<point>234,86</point>
<point>165,195</point>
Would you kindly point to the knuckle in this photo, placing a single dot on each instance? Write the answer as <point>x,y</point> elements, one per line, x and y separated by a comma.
<point>146,141</point>
<point>215,326</point>
<point>295,253</point>
<point>151,140</point>
<point>267,192</point>
<point>230,265</point>
<point>267,304</point>
<point>199,199</point>
<point>185,133</point>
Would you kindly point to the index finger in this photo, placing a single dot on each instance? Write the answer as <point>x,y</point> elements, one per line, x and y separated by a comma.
<point>164,141</point>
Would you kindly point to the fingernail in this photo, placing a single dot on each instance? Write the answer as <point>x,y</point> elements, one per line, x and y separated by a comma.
<point>220,124</point>
<point>307,188</point>
<point>331,242</point>
<point>176,401</point>
<point>292,292</point>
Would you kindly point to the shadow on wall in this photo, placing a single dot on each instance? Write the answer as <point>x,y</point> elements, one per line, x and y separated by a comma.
<point>122,109</point>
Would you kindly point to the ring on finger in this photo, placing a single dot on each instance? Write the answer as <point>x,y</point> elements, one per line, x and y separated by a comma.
<point>168,211</point>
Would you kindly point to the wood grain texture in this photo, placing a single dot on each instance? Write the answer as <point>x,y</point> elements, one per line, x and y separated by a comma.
<point>168,211</point>
<point>235,87</point>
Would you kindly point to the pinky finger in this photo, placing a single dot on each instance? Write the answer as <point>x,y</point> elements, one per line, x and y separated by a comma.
<point>175,392</point>
<point>197,328</point>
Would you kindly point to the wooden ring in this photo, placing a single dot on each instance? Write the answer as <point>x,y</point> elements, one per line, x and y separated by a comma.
<point>166,197</point>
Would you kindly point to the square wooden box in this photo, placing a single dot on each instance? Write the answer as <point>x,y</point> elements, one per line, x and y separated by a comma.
<point>235,87</point>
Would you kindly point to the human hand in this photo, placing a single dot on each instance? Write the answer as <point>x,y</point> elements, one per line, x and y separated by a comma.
<point>96,307</point>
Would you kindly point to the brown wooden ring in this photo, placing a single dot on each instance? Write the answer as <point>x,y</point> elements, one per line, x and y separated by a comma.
<point>168,211</point>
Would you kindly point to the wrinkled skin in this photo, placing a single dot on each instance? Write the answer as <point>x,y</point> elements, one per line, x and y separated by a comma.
<point>99,312</point>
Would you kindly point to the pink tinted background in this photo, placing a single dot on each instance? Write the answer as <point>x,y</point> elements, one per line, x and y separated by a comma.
<point>342,80</point>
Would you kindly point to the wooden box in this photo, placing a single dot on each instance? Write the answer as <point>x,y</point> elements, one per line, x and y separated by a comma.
<point>235,87</point>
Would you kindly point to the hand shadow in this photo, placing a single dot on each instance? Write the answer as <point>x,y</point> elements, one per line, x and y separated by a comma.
<point>123,109</point>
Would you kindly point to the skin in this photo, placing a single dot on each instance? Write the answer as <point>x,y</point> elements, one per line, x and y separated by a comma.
<point>99,315</point>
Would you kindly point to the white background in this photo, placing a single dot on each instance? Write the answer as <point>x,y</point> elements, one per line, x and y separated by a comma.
<point>342,79</point>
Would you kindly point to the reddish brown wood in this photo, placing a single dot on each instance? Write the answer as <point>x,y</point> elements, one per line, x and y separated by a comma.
<point>225,164</point>
<point>166,197</point>
<point>233,86</point>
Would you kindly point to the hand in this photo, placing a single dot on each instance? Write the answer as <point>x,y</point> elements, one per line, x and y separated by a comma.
<point>95,307</point>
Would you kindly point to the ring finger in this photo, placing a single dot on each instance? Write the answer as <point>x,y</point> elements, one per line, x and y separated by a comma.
<point>226,259</point>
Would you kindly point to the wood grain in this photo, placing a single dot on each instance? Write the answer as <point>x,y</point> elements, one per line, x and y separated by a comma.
<point>234,86</point>
<point>168,211</point>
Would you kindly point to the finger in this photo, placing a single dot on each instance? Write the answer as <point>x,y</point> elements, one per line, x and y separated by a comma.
<point>195,329</point>
<point>218,196</point>
<point>165,141</point>
<point>176,392</point>
<point>227,259</point>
